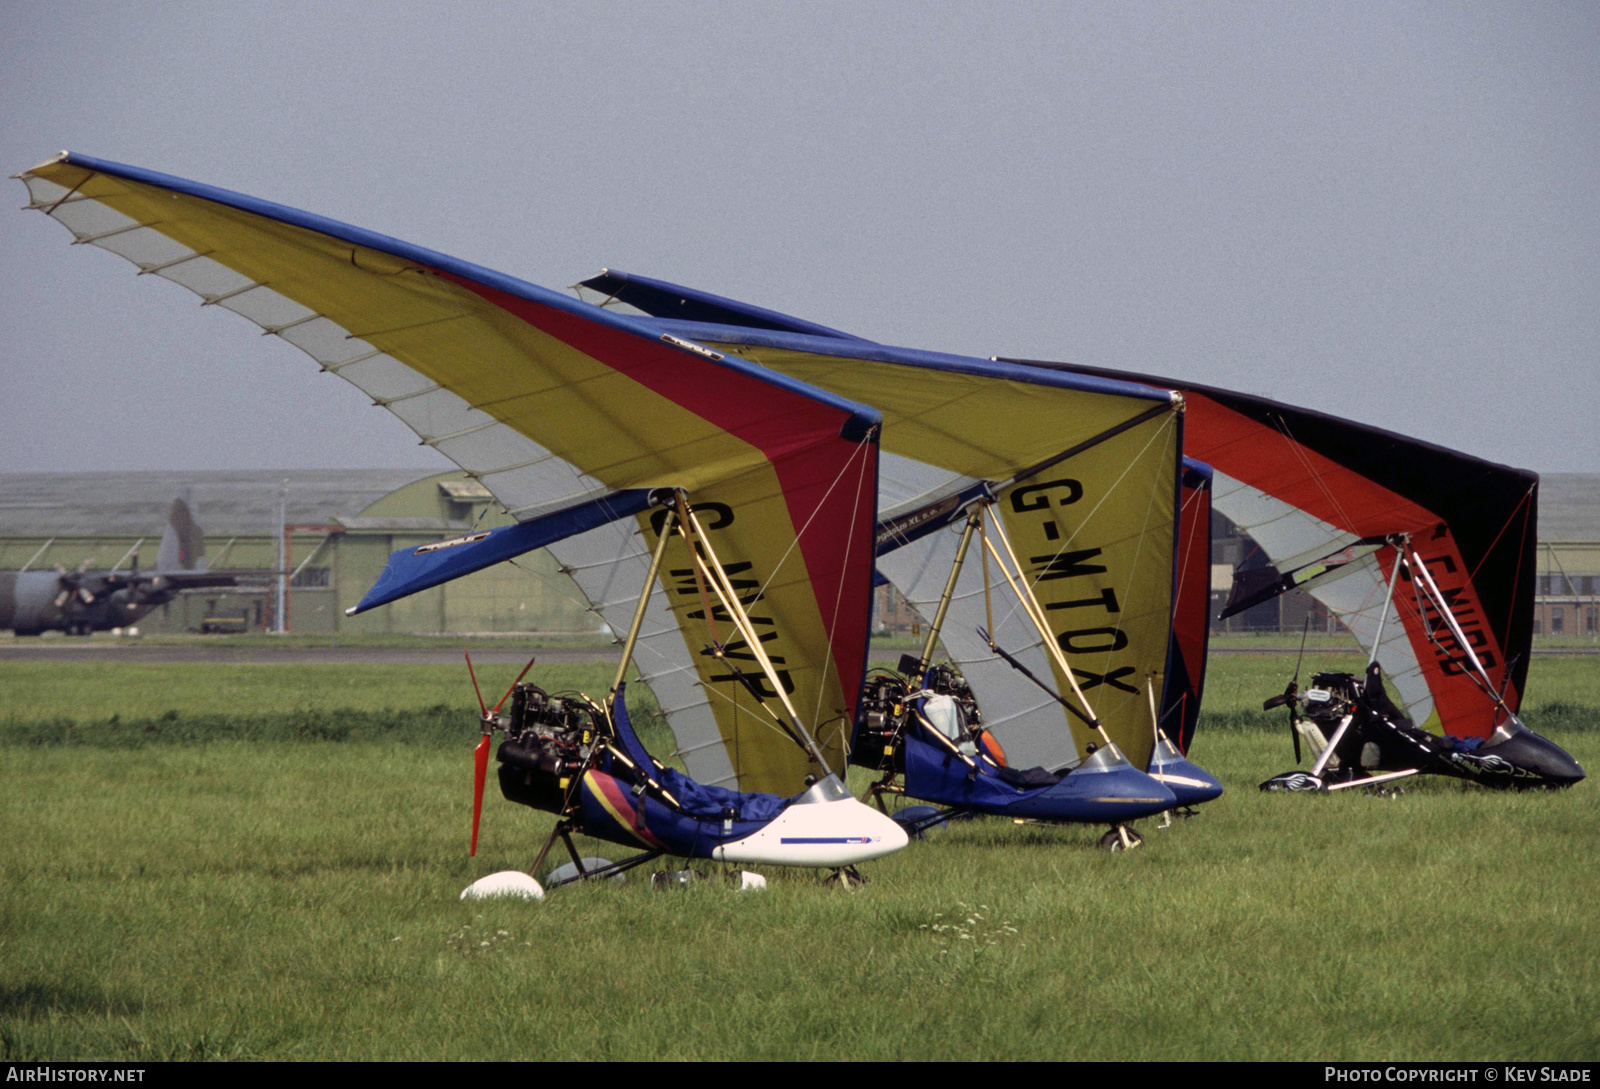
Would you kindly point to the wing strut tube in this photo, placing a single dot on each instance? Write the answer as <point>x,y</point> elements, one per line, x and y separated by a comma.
<point>632,640</point>
<point>1155,718</point>
<point>1479,675</point>
<point>949,592</point>
<point>699,571</point>
<point>644,603</point>
<point>1030,605</point>
<point>1388,599</point>
<point>1024,595</point>
<point>741,622</point>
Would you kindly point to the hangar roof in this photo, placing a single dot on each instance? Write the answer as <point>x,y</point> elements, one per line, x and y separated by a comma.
<point>245,501</point>
<point>228,502</point>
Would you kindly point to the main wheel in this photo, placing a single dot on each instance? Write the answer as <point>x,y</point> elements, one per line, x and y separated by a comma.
<point>1121,838</point>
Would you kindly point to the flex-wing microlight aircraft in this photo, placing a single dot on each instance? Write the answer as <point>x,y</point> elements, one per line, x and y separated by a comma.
<point>583,761</point>
<point>937,763</point>
<point>554,404</point>
<point>1002,462</point>
<point>1424,553</point>
<point>83,601</point>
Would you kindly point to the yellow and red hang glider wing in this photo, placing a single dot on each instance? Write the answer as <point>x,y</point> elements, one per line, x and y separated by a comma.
<point>1083,474</point>
<point>549,401</point>
<point>1094,533</point>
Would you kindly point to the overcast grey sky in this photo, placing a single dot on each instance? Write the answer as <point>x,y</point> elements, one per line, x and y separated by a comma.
<point>1386,211</point>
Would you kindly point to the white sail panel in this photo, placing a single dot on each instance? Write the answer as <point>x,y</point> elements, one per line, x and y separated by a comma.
<point>265,307</point>
<point>1291,538</point>
<point>609,564</point>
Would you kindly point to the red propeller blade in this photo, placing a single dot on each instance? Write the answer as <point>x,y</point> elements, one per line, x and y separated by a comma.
<point>480,755</point>
<point>480,769</point>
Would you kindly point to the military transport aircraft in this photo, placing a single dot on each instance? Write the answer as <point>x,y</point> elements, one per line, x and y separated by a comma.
<point>83,601</point>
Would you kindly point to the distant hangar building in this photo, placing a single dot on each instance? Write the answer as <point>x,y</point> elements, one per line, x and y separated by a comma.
<point>1567,600</point>
<point>342,525</point>
<point>339,527</point>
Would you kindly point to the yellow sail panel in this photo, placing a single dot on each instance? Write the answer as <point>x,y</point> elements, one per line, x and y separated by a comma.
<point>974,425</point>
<point>748,534</point>
<point>1094,535</point>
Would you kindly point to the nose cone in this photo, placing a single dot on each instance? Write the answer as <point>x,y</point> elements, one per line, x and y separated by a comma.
<point>1529,759</point>
<point>1105,787</point>
<point>1189,782</point>
<point>826,826</point>
<point>887,837</point>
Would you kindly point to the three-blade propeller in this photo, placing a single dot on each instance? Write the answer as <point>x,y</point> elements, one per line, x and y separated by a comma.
<point>480,755</point>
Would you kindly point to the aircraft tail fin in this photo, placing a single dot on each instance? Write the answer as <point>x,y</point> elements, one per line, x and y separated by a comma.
<point>183,545</point>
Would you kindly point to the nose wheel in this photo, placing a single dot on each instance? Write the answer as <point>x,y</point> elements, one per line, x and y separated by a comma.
<point>1121,838</point>
<point>1186,812</point>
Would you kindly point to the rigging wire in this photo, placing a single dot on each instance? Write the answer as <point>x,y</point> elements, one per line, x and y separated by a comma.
<point>845,468</point>
<point>1188,549</point>
<point>1298,451</point>
<point>1445,619</point>
<point>838,594</point>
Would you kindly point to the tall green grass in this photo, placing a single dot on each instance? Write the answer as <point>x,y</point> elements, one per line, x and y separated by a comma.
<point>241,882</point>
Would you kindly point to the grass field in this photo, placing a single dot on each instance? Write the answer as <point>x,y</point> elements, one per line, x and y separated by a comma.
<point>263,862</point>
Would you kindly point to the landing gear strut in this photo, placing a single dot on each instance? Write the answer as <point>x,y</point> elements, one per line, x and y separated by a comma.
<point>848,878</point>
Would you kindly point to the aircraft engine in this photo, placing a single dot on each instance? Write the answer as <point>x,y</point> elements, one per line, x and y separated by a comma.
<point>548,739</point>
